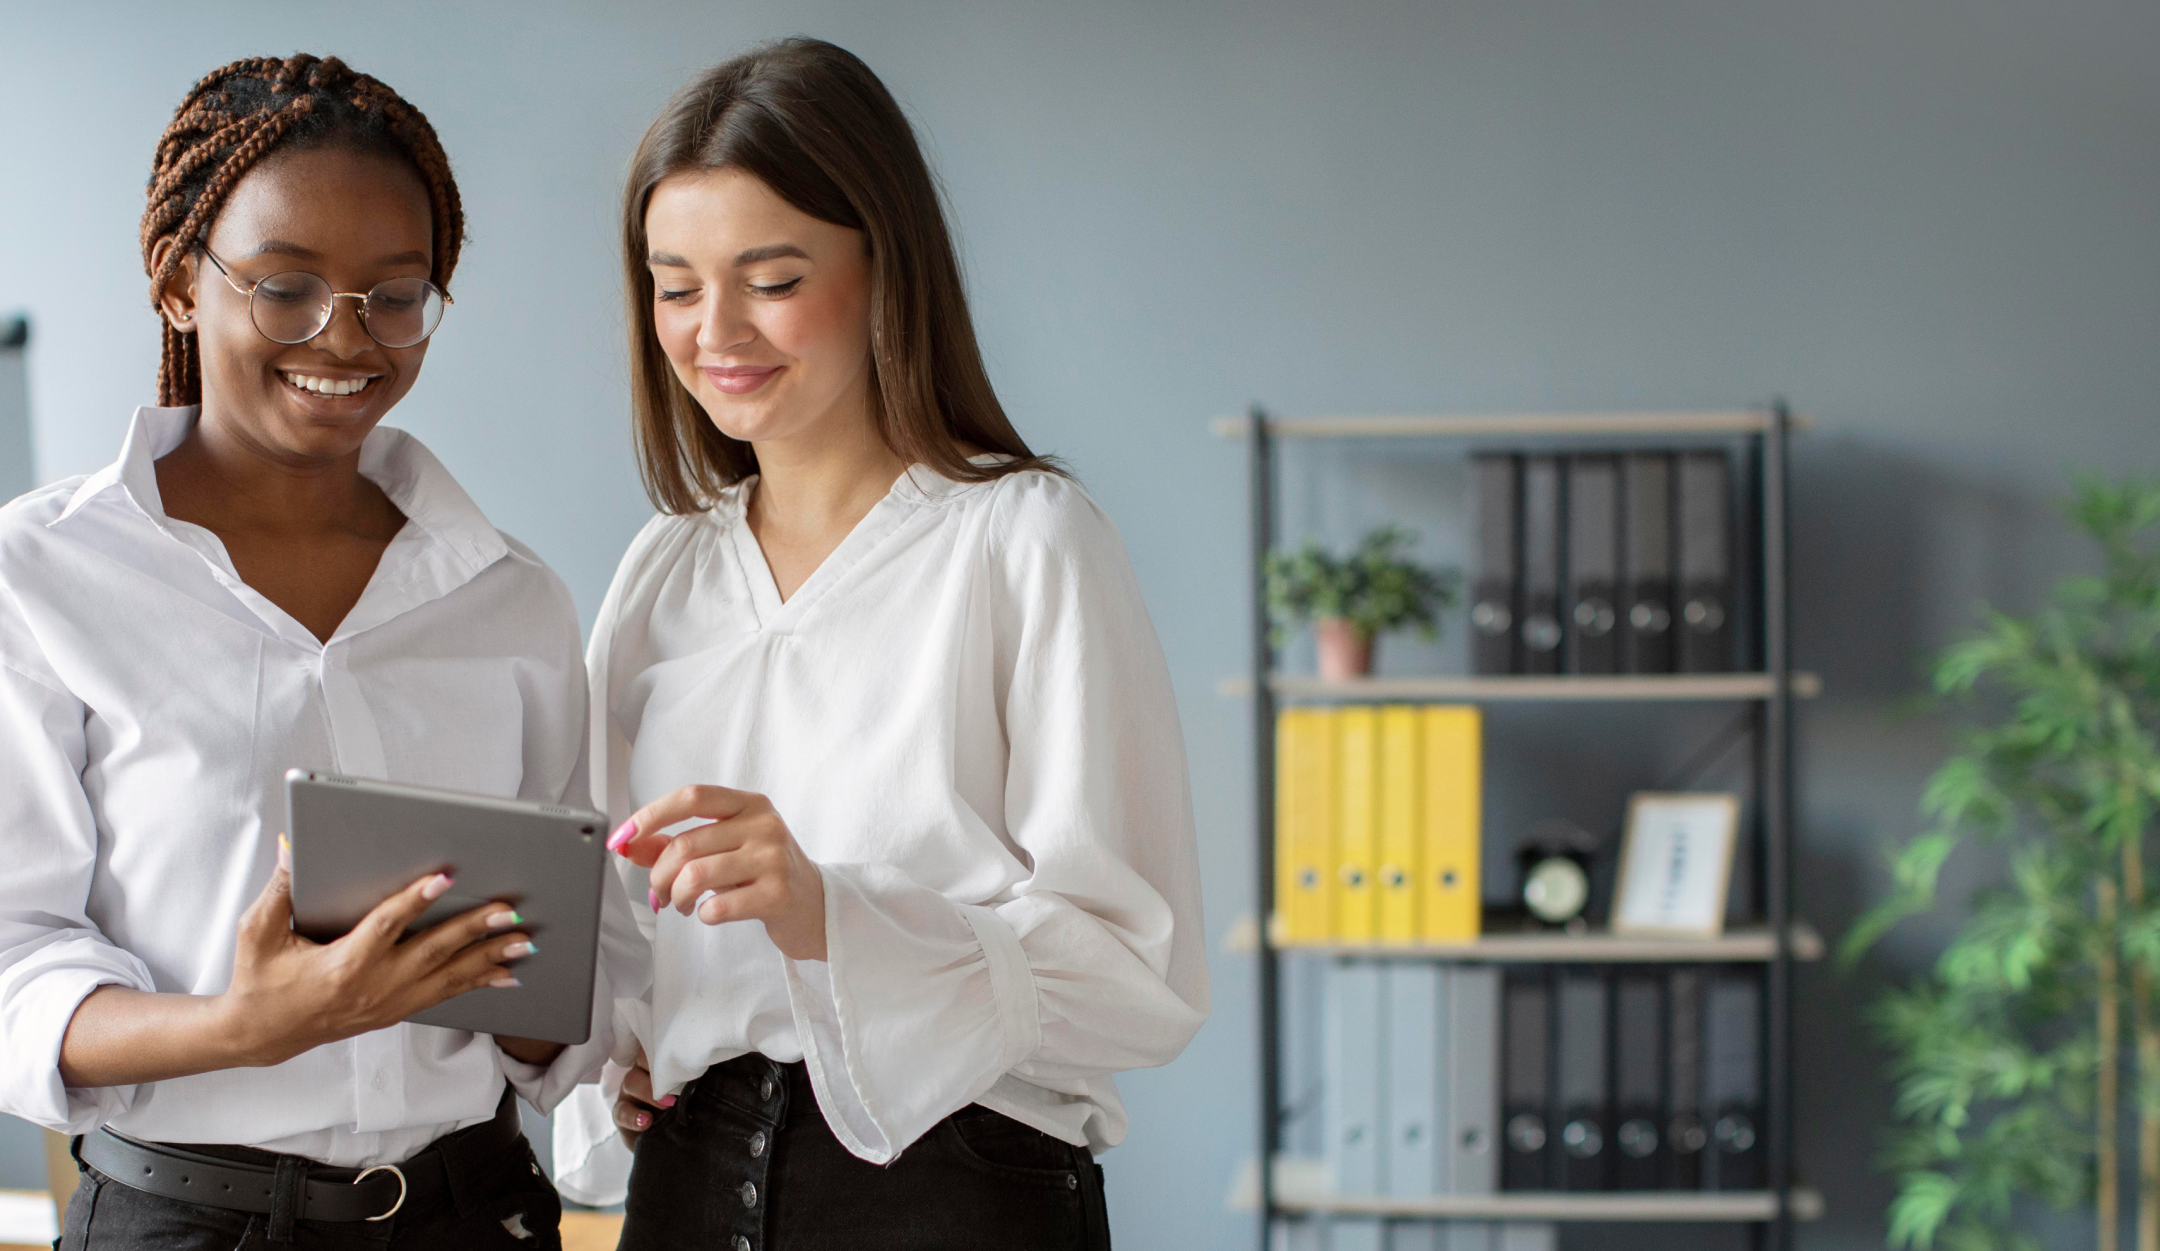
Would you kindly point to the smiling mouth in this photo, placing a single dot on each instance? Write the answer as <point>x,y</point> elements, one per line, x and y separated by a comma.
<point>739,379</point>
<point>332,388</point>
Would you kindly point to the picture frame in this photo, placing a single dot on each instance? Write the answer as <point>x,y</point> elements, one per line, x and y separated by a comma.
<point>1676,858</point>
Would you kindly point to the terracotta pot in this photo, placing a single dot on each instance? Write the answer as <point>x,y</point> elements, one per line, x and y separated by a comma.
<point>1345,651</point>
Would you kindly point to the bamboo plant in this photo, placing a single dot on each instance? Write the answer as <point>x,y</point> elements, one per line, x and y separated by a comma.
<point>2016,1055</point>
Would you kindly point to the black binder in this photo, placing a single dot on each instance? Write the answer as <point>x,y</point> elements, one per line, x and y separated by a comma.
<point>1585,1150</point>
<point>1733,1084</point>
<point>1705,563</point>
<point>1685,1133</point>
<point>1526,1066</point>
<point>1544,521</point>
<point>1646,568</point>
<point>1638,1078</point>
<point>1593,564</point>
<point>1495,609</point>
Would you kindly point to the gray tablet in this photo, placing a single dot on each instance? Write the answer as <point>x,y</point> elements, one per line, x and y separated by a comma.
<point>356,842</point>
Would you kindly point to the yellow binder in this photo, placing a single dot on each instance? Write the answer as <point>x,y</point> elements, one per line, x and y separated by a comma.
<point>1357,833</point>
<point>1401,771</point>
<point>1452,789</point>
<point>1304,825</point>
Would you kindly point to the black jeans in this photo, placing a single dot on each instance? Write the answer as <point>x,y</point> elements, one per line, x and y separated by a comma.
<point>506,1203</point>
<point>745,1162</point>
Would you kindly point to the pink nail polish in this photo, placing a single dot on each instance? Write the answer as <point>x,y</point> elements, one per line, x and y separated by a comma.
<point>643,1120</point>
<point>622,835</point>
<point>653,897</point>
<point>668,1102</point>
<point>437,886</point>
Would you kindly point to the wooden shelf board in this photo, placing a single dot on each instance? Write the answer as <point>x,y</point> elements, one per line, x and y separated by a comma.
<point>1301,1186</point>
<point>1744,945</point>
<point>1510,425</point>
<point>1658,687</point>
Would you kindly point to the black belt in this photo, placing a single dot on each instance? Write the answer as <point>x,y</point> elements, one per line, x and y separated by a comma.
<point>314,1192</point>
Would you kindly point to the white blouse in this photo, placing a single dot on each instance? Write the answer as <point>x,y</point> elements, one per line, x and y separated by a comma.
<point>966,720</point>
<point>150,704</point>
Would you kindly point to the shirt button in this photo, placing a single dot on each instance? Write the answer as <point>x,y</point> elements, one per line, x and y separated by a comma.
<point>379,1081</point>
<point>757,1144</point>
<point>749,1194</point>
<point>740,1244</point>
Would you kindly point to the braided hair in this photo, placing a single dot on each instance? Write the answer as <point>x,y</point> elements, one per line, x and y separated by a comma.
<point>238,115</point>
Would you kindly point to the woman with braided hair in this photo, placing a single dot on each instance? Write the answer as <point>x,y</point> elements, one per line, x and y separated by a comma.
<point>267,578</point>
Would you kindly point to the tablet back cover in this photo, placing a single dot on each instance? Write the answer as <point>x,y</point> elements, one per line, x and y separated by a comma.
<point>355,843</point>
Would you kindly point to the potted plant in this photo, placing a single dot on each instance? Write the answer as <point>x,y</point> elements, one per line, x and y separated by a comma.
<point>2016,1056</point>
<point>1351,600</point>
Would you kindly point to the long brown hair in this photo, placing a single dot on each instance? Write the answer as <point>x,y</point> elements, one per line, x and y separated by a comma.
<point>238,115</point>
<point>811,121</point>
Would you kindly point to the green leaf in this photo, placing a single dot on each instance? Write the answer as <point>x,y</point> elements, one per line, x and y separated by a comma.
<point>1375,588</point>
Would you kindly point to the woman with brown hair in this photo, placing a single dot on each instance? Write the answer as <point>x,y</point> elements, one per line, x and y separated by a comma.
<point>877,695</point>
<point>266,579</point>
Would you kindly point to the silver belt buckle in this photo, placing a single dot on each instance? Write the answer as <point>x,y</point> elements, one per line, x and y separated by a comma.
<point>394,1171</point>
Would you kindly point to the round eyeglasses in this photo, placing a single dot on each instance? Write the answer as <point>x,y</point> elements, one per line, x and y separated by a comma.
<point>293,306</point>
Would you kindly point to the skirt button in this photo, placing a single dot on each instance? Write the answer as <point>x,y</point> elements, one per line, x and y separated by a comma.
<point>740,1244</point>
<point>749,1194</point>
<point>757,1144</point>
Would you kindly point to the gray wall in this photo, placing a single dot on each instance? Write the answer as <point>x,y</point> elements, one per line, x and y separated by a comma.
<point>1932,225</point>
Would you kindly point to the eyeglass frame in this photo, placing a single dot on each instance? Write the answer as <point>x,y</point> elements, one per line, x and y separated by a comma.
<point>335,294</point>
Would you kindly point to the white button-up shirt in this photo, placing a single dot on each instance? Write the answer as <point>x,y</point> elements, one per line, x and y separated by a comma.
<point>150,704</point>
<point>965,718</point>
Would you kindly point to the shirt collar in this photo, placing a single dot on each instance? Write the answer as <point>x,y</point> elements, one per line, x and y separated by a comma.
<point>390,458</point>
<point>446,541</point>
<point>151,433</point>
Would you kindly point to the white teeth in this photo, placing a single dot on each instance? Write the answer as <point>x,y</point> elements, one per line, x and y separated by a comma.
<point>328,386</point>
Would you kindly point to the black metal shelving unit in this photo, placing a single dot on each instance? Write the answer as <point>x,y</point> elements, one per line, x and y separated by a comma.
<point>1769,691</point>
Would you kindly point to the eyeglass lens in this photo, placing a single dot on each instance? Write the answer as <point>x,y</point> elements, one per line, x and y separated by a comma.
<point>293,306</point>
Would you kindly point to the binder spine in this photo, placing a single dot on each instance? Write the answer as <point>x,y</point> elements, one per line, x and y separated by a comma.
<point>1638,1061</point>
<point>1526,1080</point>
<point>1646,547</point>
<point>1472,1066</point>
<point>1357,831</point>
<point>1734,1083</point>
<point>1401,868</point>
<point>1451,819</point>
<point>1543,529</point>
<point>1686,1134</point>
<point>1414,1112</point>
<point>1356,1044</point>
<point>1305,824</point>
<point>1705,563</point>
<point>1593,564</point>
<point>1583,1154</point>
<point>1495,607</point>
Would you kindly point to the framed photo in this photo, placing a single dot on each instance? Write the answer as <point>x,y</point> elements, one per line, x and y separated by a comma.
<point>1676,864</point>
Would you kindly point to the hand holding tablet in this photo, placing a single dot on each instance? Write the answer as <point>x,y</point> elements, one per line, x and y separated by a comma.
<point>357,843</point>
